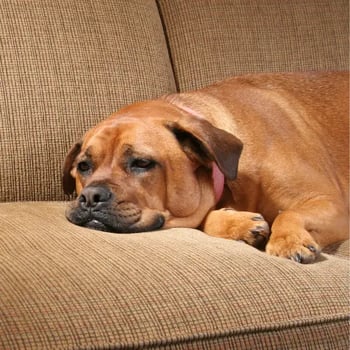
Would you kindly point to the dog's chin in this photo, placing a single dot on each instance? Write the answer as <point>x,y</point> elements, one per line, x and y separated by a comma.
<point>101,226</point>
<point>110,223</point>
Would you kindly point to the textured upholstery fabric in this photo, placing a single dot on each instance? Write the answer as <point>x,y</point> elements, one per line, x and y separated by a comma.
<point>64,66</point>
<point>235,37</point>
<point>62,286</point>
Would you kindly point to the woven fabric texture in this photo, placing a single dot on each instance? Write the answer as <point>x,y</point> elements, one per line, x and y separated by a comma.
<point>64,66</point>
<point>236,37</point>
<point>65,287</point>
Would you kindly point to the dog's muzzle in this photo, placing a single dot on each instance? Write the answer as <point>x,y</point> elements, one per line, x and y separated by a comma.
<point>96,207</point>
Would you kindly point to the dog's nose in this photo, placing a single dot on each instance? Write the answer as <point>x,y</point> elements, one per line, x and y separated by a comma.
<point>92,196</point>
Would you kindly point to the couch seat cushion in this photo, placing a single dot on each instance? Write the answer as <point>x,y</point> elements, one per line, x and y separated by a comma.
<point>64,287</point>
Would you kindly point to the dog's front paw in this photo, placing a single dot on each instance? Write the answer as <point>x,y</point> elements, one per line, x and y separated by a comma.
<point>238,225</point>
<point>290,238</point>
<point>300,247</point>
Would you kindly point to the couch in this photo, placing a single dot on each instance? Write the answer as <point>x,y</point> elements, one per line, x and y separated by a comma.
<point>67,64</point>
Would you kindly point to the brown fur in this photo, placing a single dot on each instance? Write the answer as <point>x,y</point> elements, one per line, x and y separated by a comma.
<point>150,165</point>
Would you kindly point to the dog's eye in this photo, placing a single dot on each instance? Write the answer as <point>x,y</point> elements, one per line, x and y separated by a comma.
<point>142,164</point>
<point>84,167</point>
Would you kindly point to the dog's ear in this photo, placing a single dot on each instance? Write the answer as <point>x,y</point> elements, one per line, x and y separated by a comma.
<point>205,143</point>
<point>68,181</point>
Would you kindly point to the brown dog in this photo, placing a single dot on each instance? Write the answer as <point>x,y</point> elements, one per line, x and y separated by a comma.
<point>173,162</point>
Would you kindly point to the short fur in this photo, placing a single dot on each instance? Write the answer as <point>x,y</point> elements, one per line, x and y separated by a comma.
<point>150,165</point>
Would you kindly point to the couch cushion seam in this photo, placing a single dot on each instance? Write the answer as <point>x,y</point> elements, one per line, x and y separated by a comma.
<point>167,41</point>
<point>158,344</point>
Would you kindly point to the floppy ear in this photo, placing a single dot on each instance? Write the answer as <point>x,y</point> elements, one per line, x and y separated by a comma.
<point>68,181</point>
<point>205,143</point>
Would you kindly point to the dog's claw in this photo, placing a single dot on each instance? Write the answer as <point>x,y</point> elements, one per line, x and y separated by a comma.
<point>305,258</point>
<point>258,230</point>
<point>297,258</point>
<point>312,248</point>
<point>257,218</point>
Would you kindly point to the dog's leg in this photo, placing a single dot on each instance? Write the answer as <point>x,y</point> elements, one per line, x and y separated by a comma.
<point>299,234</point>
<point>238,225</point>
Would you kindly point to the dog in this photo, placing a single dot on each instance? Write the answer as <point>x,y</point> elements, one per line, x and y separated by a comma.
<point>173,162</point>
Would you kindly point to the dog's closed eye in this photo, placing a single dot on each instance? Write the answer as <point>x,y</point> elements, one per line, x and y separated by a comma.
<point>84,167</point>
<point>139,165</point>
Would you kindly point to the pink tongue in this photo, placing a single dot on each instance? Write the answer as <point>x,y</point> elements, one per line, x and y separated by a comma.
<point>219,182</point>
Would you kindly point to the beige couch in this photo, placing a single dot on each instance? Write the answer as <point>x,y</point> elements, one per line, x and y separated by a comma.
<point>65,65</point>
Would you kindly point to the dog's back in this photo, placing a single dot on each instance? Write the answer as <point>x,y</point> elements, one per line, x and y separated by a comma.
<point>294,167</point>
<point>301,119</point>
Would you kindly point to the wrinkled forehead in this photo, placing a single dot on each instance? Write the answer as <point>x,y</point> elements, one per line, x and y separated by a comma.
<point>127,134</point>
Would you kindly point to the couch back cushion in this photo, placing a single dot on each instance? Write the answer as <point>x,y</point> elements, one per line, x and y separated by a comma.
<point>211,40</point>
<point>65,65</point>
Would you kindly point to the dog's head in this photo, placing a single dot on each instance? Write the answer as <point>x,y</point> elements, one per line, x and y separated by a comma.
<point>146,167</point>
